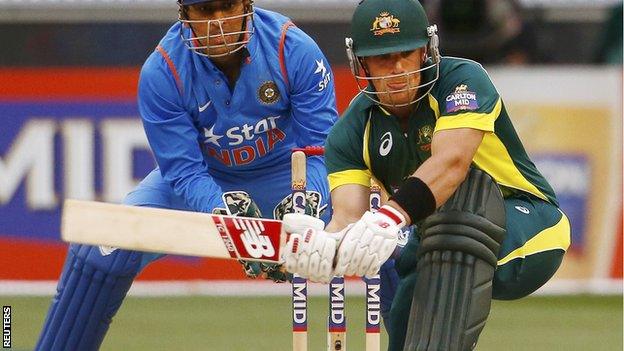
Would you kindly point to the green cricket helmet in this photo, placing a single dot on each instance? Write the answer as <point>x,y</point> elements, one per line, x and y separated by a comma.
<point>381,27</point>
<point>232,41</point>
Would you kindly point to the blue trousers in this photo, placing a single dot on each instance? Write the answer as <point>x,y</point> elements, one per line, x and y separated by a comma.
<point>94,282</point>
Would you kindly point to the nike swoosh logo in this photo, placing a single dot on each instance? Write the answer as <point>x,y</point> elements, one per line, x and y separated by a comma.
<point>203,108</point>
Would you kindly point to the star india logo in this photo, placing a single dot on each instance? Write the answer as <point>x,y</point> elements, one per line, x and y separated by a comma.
<point>325,76</point>
<point>385,23</point>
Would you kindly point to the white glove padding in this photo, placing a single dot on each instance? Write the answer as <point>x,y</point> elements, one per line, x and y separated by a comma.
<point>298,223</point>
<point>369,242</point>
<point>310,251</point>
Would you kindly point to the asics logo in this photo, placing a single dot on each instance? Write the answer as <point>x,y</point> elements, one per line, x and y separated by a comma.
<point>523,209</point>
<point>203,108</point>
<point>403,236</point>
<point>386,144</point>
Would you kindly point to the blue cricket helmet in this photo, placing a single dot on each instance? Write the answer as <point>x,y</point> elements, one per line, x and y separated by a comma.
<point>231,41</point>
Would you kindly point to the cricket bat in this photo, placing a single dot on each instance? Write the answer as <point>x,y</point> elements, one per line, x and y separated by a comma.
<point>172,231</point>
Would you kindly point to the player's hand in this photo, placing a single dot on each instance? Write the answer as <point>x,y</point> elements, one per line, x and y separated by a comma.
<point>239,203</point>
<point>368,243</point>
<point>277,272</point>
<point>310,251</point>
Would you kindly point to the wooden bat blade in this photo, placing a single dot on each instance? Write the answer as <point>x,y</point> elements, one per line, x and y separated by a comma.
<point>171,231</point>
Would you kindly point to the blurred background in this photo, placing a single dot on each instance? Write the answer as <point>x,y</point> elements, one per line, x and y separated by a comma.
<point>69,128</point>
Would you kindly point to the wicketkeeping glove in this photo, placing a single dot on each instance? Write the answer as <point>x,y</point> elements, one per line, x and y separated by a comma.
<point>239,203</point>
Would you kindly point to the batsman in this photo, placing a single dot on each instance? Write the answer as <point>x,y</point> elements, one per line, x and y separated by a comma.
<point>435,133</point>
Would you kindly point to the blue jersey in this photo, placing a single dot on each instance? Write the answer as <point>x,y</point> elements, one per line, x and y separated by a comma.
<point>205,134</point>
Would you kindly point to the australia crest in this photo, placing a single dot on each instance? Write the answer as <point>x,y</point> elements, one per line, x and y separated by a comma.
<point>385,23</point>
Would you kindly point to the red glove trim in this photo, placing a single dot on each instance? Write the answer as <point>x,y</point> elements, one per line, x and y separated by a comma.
<point>392,214</point>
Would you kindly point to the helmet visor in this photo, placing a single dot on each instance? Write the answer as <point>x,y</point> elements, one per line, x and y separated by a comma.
<point>398,90</point>
<point>217,37</point>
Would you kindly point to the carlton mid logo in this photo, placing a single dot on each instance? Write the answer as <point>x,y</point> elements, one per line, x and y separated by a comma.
<point>462,99</point>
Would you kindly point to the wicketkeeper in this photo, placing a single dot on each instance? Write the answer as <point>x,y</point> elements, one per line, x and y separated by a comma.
<point>227,93</point>
<point>436,135</point>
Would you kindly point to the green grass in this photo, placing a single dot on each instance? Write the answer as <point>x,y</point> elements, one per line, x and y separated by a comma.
<point>240,323</point>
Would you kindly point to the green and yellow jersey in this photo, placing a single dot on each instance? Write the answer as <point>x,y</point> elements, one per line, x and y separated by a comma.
<point>368,141</point>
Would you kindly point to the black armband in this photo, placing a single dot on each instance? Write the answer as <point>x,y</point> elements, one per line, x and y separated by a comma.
<point>415,198</point>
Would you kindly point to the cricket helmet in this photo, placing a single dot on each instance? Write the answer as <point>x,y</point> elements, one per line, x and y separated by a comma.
<point>381,27</point>
<point>231,41</point>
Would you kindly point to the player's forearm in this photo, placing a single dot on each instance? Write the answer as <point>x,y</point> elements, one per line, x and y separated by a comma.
<point>452,152</point>
<point>349,201</point>
<point>429,187</point>
<point>200,192</point>
<point>443,175</point>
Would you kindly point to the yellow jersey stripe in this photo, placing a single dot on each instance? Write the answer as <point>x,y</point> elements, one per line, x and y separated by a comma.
<point>555,237</point>
<point>365,154</point>
<point>474,120</point>
<point>494,159</point>
<point>433,103</point>
<point>350,176</point>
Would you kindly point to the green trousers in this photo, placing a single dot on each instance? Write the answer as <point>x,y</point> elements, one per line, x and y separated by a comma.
<point>538,234</point>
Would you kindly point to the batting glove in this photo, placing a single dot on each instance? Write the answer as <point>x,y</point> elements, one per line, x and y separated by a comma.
<point>369,242</point>
<point>310,251</point>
